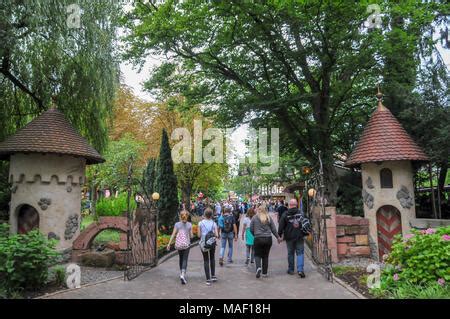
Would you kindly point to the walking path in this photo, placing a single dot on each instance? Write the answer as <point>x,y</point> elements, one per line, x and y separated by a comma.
<point>235,281</point>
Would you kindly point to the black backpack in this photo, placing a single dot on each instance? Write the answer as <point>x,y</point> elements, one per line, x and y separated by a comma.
<point>210,240</point>
<point>228,222</point>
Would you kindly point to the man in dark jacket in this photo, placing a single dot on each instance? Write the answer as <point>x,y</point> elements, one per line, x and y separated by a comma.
<point>281,209</point>
<point>290,228</point>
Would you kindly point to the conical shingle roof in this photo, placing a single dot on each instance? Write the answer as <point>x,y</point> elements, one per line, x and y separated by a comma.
<point>49,133</point>
<point>384,139</point>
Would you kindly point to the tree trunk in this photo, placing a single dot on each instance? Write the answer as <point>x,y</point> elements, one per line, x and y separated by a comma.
<point>186,191</point>
<point>330,180</point>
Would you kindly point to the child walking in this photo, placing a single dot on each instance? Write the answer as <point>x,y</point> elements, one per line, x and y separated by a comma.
<point>249,239</point>
<point>183,232</point>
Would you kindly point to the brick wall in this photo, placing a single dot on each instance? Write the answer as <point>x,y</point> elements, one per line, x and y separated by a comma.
<point>352,236</point>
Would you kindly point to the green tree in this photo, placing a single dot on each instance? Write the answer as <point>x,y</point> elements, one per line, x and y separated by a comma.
<point>113,173</point>
<point>150,176</point>
<point>166,184</point>
<point>303,66</point>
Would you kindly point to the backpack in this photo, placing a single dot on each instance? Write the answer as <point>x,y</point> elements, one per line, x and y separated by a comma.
<point>306,225</point>
<point>209,241</point>
<point>182,241</point>
<point>228,222</point>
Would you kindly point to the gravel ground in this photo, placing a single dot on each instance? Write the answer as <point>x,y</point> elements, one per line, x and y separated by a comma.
<point>91,274</point>
<point>357,262</point>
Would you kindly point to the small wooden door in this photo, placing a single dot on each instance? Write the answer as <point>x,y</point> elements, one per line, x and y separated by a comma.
<point>389,224</point>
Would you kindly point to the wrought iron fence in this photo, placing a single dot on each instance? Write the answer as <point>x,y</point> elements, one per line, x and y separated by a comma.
<point>316,212</point>
<point>142,250</point>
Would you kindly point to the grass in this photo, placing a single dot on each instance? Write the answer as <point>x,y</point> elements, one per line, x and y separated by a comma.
<point>412,291</point>
<point>106,236</point>
<point>340,270</point>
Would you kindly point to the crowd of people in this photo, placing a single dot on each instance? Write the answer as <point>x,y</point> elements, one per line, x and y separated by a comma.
<point>221,225</point>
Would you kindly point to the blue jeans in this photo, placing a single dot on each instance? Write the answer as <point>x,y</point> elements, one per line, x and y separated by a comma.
<point>224,238</point>
<point>296,247</point>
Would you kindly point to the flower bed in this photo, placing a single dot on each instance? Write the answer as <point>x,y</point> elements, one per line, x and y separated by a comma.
<point>418,266</point>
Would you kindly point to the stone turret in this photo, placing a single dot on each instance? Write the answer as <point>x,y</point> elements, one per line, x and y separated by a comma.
<point>385,153</point>
<point>48,158</point>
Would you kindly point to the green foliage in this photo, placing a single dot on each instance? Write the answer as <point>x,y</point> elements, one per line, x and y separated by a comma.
<point>349,201</point>
<point>150,176</point>
<point>420,259</point>
<point>303,66</point>
<point>59,275</point>
<point>340,270</point>
<point>25,260</point>
<point>83,72</point>
<point>108,236</point>
<point>166,184</point>
<point>114,206</point>
<point>113,174</point>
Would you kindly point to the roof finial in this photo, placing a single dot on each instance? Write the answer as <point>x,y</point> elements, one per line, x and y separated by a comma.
<point>380,99</point>
<point>53,106</point>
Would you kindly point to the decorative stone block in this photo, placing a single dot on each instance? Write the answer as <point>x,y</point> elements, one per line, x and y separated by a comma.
<point>342,249</point>
<point>104,258</point>
<point>367,198</point>
<point>340,231</point>
<point>369,183</point>
<point>356,230</point>
<point>44,203</point>
<point>359,250</point>
<point>346,239</point>
<point>404,197</point>
<point>362,240</point>
<point>71,227</point>
<point>52,235</point>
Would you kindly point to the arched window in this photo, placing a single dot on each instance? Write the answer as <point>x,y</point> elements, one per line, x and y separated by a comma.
<point>386,178</point>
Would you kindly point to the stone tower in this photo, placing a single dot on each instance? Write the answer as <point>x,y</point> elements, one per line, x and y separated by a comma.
<point>47,158</point>
<point>385,153</point>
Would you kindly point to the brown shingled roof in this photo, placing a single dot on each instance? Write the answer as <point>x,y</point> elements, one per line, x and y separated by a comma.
<point>384,139</point>
<point>49,133</point>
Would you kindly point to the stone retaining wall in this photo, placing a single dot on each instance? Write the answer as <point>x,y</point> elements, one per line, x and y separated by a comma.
<point>352,236</point>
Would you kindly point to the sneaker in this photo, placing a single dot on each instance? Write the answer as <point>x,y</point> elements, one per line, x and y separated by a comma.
<point>230,261</point>
<point>247,261</point>
<point>208,282</point>
<point>213,278</point>
<point>183,280</point>
<point>301,274</point>
<point>265,275</point>
<point>290,272</point>
<point>221,261</point>
<point>252,262</point>
<point>258,272</point>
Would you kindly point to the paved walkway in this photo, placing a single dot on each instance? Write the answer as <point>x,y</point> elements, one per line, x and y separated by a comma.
<point>235,281</point>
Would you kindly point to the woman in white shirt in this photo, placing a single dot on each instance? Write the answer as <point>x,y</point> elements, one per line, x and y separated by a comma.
<point>204,227</point>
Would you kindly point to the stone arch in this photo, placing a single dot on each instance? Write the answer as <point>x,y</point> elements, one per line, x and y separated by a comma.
<point>27,218</point>
<point>87,236</point>
<point>389,224</point>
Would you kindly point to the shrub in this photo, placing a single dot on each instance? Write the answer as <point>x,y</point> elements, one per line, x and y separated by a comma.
<point>420,257</point>
<point>418,266</point>
<point>59,275</point>
<point>25,260</point>
<point>114,206</point>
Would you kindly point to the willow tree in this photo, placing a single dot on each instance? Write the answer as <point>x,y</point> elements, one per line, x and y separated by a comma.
<point>61,50</point>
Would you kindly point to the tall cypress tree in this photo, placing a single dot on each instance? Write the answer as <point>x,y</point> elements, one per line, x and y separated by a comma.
<point>166,184</point>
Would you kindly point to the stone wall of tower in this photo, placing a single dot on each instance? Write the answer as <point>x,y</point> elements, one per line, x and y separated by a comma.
<point>401,195</point>
<point>52,185</point>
